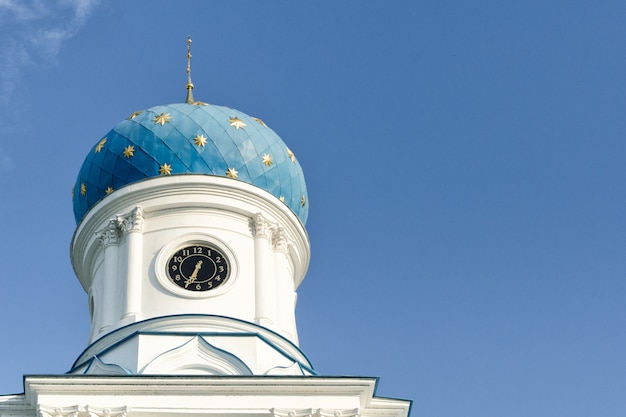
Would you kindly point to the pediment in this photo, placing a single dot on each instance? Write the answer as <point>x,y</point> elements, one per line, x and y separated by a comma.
<point>196,357</point>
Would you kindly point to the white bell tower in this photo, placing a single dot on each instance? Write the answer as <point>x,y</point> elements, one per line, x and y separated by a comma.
<point>191,246</point>
<point>121,251</point>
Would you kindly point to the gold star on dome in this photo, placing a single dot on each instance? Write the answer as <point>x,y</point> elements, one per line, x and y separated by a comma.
<point>83,189</point>
<point>100,145</point>
<point>73,187</point>
<point>134,114</point>
<point>267,160</point>
<point>236,122</point>
<point>200,140</point>
<point>259,121</point>
<point>302,201</point>
<point>282,198</point>
<point>129,151</point>
<point>165,169</point>
<point>162,118</point>
<point>231,173</point>
<point>291,155</point>
<point>109,190</point>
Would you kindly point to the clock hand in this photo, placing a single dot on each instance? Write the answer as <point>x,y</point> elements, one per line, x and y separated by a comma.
<point>194,274</point>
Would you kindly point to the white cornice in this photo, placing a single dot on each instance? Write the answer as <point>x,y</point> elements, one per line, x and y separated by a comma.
<point>182,396</point>
<point>154,393</point>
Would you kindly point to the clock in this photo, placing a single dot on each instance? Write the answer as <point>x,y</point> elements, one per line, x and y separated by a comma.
<point>198,267</point>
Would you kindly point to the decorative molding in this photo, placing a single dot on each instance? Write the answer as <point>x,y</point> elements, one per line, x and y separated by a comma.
<point>275,234</point>
<point>80,411</point>
<point>293,369</point>
<point>130,222</point>
<point>314,412</point>
<point>261,227</point>
<point>196,355</point>
<point>218,328</point>
<point>135,220</point>
<point>280,242</point>
<point>111,234</point>
<point>97,367</point>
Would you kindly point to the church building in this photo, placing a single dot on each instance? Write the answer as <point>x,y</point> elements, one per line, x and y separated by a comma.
<point>191,244</point>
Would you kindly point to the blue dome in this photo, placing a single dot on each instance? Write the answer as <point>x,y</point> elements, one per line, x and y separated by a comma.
<point>190,139</point>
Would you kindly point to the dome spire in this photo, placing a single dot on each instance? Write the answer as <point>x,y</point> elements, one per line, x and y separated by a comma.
<point>189,99</point>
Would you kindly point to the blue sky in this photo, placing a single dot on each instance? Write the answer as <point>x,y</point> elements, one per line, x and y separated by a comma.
<point>464,163</point>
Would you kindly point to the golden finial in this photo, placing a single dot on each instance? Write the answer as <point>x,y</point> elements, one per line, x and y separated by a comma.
<point>189,99</point>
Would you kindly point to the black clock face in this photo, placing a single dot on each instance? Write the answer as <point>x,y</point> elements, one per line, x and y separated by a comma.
<point>198,268</point>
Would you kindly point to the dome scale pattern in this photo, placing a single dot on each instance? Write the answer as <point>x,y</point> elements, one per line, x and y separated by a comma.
<point>184,138</point>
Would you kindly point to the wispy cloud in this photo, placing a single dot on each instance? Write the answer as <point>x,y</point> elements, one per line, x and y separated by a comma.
<point>19,10</point>
<point>34,31</point>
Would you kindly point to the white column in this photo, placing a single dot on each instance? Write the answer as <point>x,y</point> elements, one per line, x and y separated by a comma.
<point>264,272</point>
<point>134,223</point>
<point>107,311</point>
<point>285,287</point>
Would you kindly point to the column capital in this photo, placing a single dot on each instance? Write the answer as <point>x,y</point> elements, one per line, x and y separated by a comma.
<point>261,227</point>
<point>135,220</point>
<point>111,234</point>
<point>280,241</point>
